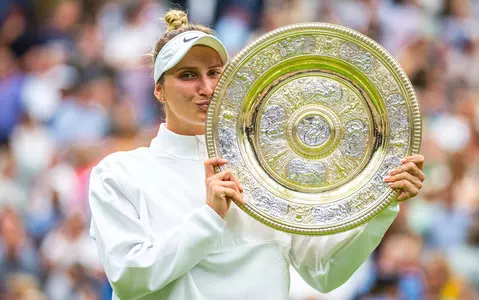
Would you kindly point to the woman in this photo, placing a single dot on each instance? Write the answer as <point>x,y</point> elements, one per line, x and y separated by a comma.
<point>163,220</point>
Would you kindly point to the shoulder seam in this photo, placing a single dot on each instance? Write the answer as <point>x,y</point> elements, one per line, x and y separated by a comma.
<point>115,177</point>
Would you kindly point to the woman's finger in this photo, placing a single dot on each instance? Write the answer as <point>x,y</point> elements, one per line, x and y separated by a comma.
<point>228,184</point>
<point>404,176</point>
<point>418,159</point>
<point>212,164</point>
<point>233,194</point>
<point>228,175</point>
<point>408,188</point>
<point>223,175</point>
<point>408,167</point>
<point>233,178</point>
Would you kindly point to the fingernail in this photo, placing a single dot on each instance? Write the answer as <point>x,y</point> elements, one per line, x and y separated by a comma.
<point>386,178</point>
<point>390,183</point>
<point>403,160</point>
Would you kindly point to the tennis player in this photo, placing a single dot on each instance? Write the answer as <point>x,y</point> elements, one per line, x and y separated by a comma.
<point>164,222</point>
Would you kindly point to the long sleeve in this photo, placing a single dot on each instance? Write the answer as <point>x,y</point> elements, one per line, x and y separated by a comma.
<point>326,262</point>
<point>136,261</point>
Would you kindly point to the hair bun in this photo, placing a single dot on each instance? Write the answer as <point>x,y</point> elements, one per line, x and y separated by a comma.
<point>175,19</point>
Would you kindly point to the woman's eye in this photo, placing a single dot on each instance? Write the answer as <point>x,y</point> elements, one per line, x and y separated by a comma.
<point>187,75</point>
<point>215,72</point>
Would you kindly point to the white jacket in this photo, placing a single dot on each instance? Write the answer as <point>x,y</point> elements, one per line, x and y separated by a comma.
<point>158,239</point>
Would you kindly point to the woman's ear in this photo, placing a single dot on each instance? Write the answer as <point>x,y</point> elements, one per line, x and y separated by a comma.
<point>158,92</point>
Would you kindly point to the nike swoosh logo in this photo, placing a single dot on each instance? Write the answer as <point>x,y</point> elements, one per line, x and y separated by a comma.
<point>187,40</point>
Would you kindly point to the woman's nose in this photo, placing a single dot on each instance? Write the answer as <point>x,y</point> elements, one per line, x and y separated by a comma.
<point>207,86</point>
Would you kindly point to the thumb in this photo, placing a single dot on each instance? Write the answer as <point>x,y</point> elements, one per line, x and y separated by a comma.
<point>211,164</point>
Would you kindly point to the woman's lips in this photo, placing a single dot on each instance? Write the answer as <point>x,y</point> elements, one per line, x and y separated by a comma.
<point>203,104</point>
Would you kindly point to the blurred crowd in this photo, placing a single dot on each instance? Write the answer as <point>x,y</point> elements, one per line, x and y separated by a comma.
<point>76,85</point>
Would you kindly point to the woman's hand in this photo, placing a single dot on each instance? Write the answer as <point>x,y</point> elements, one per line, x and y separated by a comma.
<point>221,188</point>
<point>408,177</point>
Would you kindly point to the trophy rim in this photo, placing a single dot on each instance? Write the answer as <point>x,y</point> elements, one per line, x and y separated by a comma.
<point>393,66</point>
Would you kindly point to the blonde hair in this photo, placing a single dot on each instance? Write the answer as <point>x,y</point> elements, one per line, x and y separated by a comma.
<point>175,19</point>
<point>177,22</point>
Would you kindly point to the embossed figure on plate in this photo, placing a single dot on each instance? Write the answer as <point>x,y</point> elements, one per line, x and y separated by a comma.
<point>319,89</point>
<point>272,122</point>
<point>355,138</point>
<point>228,146</point>
<point>314,130</point>
<point>306,172</point>
<point>329,213</point>
<point>268,203</point>
<point>398,114</point>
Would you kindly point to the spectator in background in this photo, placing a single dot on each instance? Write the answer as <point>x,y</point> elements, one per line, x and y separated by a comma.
<point>17,253</point>
<point>62,24</point>
<point>18,29</point>
<point>127,48</point>
<point>51,197</point>
<point>12,194</point>
<point>235,20</point>
<point>440,282</point>
<point>11,81</point>
<point>71,259</point>
<point>398,273</point>
<point>79,107</point>
<point>124,129</point>
<point>458,24</point>
<point>395,32</point>
<point>23,286</point>
<point>41,93</point>
<point>27,135</point>
<point>464,258</point>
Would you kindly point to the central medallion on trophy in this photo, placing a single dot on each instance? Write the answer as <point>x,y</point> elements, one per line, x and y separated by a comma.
<point>313,131</point>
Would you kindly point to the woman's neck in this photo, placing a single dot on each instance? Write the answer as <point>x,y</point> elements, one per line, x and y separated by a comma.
<point>185,129</point>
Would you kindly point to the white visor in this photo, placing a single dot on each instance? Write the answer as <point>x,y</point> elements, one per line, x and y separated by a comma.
<point>173,51</point>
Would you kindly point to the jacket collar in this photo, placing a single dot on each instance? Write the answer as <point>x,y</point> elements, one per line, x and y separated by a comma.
<point>182,146</point>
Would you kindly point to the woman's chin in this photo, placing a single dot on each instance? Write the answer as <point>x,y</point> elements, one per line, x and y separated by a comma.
<point>201,117</point>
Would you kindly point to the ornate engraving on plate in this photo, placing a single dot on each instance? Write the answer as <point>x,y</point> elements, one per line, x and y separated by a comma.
<point>297,45</point>
<point>383,79</point>
<point>355,139</point>
<point>321,90</point>
<point>270,204</point>
<point>272,122</point>
<point>228,144</point>
<point>302,171</point>
<point>330,213</point>
<point>300,214</point>
<point>362,59</point>
<point>398,122</point>
<point>328,45</point>
<point>304,112</point>
<point>313,130</point>
<point>311,118</point>
<point>246,75</point>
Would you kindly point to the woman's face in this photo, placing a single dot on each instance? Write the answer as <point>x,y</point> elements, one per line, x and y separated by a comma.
<point>187,89</point>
